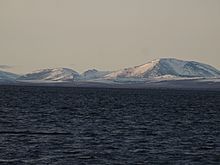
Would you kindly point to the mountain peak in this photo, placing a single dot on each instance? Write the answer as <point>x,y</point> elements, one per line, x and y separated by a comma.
<point>167,66</point>
<point>52,74</point>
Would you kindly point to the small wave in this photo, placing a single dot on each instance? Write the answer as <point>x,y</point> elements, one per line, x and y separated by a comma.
<point>10,161</point>
<point>33,133</point>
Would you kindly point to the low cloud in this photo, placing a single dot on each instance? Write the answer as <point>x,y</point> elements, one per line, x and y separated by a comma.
<point>5,67</point>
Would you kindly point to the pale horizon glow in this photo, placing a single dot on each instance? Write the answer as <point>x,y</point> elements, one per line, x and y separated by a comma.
<point>106,34</point>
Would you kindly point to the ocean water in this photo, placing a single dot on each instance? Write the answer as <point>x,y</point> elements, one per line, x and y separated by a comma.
<point>68,126</point>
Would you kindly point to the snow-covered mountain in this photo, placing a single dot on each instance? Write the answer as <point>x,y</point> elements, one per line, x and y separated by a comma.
<point>56,74</point>
<point>156,70</point>
<point>166,67</point>
<point>93,74</point>
<point>7,76</point>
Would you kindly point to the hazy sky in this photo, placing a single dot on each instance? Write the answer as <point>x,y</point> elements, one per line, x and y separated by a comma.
<point>106,34</point>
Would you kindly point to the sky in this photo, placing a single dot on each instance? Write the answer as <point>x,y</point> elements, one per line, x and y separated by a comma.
<point>106,34</point>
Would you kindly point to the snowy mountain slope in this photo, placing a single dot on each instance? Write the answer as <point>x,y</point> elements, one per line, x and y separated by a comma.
<point>93,74</point>
<point>5,76</point>
<point>136,71</point>
<point>56,74</point>
<point>166,67</point>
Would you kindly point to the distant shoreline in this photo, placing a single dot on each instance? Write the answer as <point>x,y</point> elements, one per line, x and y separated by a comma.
<point>171,84</point>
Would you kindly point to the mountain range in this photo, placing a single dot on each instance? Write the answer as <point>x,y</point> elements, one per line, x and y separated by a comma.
<point>156,70</point>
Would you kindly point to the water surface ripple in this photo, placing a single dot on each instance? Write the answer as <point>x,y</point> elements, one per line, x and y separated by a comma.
<point>65,126</point>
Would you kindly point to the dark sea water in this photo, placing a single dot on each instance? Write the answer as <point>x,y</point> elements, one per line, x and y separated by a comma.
<point>68,126</point>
